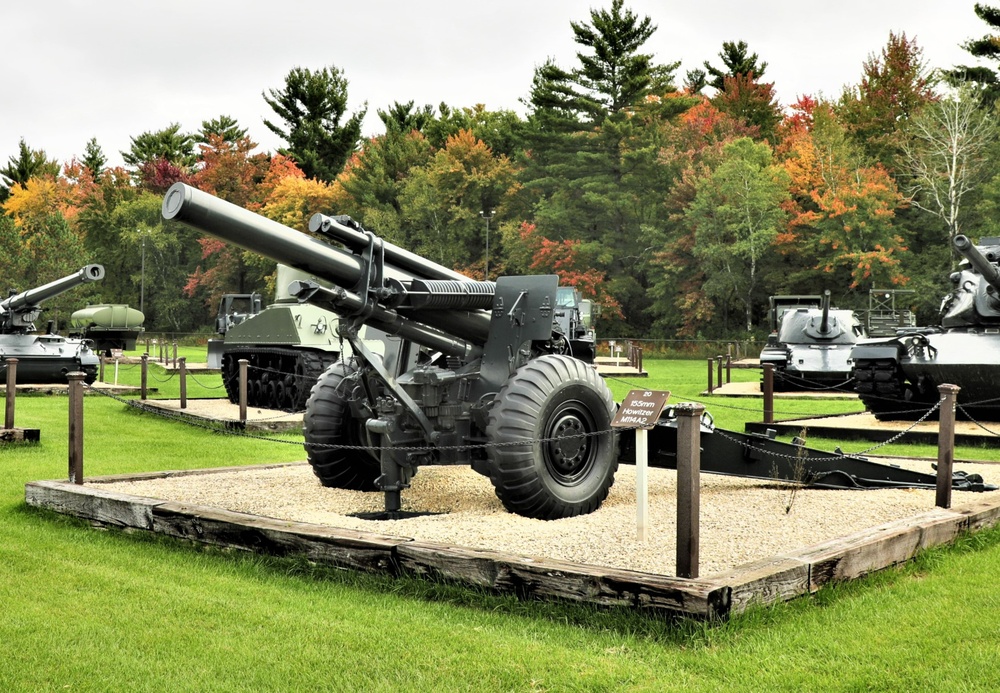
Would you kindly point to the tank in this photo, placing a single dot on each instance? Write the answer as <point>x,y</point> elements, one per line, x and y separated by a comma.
<point>287,346</point>
<point>897,377</point>
<point>811,349</point>
<point>108,326</point>
<point>44,358</point>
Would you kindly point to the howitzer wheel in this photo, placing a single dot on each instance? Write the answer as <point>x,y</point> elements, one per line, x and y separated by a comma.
<point>328,421</point>
<point>552,451</point>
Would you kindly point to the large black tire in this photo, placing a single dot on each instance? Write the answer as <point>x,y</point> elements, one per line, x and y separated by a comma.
<point>328,421</point>
<point>551,399</point>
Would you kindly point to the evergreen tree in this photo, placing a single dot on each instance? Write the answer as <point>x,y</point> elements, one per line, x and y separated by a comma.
<point>28,164</point>
<point>987,47</point>
<point>224,126</point>
<point>737,62</point>
<point>593,173</point>
<point>93,157</point>
<point>312,106</point>
<point>169,145</point>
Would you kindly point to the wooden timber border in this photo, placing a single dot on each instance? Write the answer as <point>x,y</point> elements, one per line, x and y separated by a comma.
<point>779,578</point>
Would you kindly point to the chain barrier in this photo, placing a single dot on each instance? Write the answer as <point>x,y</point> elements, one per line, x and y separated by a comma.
<point>842,456</point>
<point>976,422</point>
<point>202,385</point>
<point>225,430</point>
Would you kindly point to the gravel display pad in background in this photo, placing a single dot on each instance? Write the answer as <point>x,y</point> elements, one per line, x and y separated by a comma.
<point>742,520</point>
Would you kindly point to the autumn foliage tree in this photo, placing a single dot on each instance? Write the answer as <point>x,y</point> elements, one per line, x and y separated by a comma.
<point>842,212</point>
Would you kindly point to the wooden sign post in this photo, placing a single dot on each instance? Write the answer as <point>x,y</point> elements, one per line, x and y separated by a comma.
<point>640,410</point>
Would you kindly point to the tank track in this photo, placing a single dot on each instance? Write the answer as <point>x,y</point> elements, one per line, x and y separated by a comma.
<point>277,378</point>
<point>882,388</point>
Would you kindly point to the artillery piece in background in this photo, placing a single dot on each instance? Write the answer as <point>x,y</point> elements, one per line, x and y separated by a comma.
<point>287,345</point>
<point>45,358</point>
<point>108,326</point>
<point>468,372</point>
<point>897,377</point>
<point>811,349</point>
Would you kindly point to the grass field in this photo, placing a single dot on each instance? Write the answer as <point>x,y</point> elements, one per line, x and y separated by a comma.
<point>87,610</point>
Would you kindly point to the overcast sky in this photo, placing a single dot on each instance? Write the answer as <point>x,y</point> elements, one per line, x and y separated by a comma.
<point>113,69</point>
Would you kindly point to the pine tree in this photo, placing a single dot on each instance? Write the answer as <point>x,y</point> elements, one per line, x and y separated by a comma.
<point>312,106</point>
<point>987,47</point>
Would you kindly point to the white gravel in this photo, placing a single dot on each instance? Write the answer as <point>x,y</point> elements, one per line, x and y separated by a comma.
<point>742,520</point>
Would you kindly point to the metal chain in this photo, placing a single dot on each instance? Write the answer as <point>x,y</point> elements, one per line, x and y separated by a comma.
<point>184,418</point>
<point>842,456</point>
<point>973,420</point>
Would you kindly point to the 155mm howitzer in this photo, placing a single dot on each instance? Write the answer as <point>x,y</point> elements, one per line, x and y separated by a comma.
<point>464,372</point>
<point>44,358</point>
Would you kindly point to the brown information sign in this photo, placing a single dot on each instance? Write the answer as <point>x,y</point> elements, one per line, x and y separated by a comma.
<point>640,409</point>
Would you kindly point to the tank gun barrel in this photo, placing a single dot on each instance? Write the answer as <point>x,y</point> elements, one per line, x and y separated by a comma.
<point>824,325</point>
<point>980,262</point>
<point>18,312</point>
<point>466,318</point>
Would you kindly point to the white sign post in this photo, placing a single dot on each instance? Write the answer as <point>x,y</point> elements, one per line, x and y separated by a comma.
<point>640,410</point>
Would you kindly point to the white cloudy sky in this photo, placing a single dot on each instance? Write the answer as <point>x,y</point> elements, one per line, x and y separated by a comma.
<point>112,69</point>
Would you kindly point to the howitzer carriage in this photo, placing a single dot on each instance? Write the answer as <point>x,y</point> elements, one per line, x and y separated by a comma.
<point>459,371</point>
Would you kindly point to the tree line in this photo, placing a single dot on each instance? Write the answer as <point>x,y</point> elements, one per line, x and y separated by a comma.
<point>678,203</point>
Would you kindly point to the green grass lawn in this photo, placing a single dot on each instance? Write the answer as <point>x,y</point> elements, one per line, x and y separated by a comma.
<point>87,610</point>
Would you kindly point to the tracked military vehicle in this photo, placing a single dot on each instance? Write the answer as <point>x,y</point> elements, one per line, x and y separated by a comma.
<point>287,346</point>
<point>897,377</point>
<point>44,358</point>
<point>811,349</point>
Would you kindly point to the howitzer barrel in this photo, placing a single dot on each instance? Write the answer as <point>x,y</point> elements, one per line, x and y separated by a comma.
<point>258,234</point>
<point>32,297</point>
<point>979,261</point>
<point>398,257</point>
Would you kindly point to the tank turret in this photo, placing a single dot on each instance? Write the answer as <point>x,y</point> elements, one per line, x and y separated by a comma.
<point>975,300</point>
<point>44,358</point>
<point>811,348</point>
<point>898,377</point>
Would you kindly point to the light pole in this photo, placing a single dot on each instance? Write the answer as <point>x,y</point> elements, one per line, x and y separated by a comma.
<point>487,215</point>
<point>142,276</point>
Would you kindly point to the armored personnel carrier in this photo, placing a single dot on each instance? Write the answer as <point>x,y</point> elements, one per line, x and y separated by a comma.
<point>44,358</point>
<point>897,377</point>
<point>811,349</point>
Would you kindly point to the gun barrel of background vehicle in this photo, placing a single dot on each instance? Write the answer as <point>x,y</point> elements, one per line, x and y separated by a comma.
<point>258,234</point>
<point>32,297</point>
<point>979,261</point>
<point>824,325</point>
